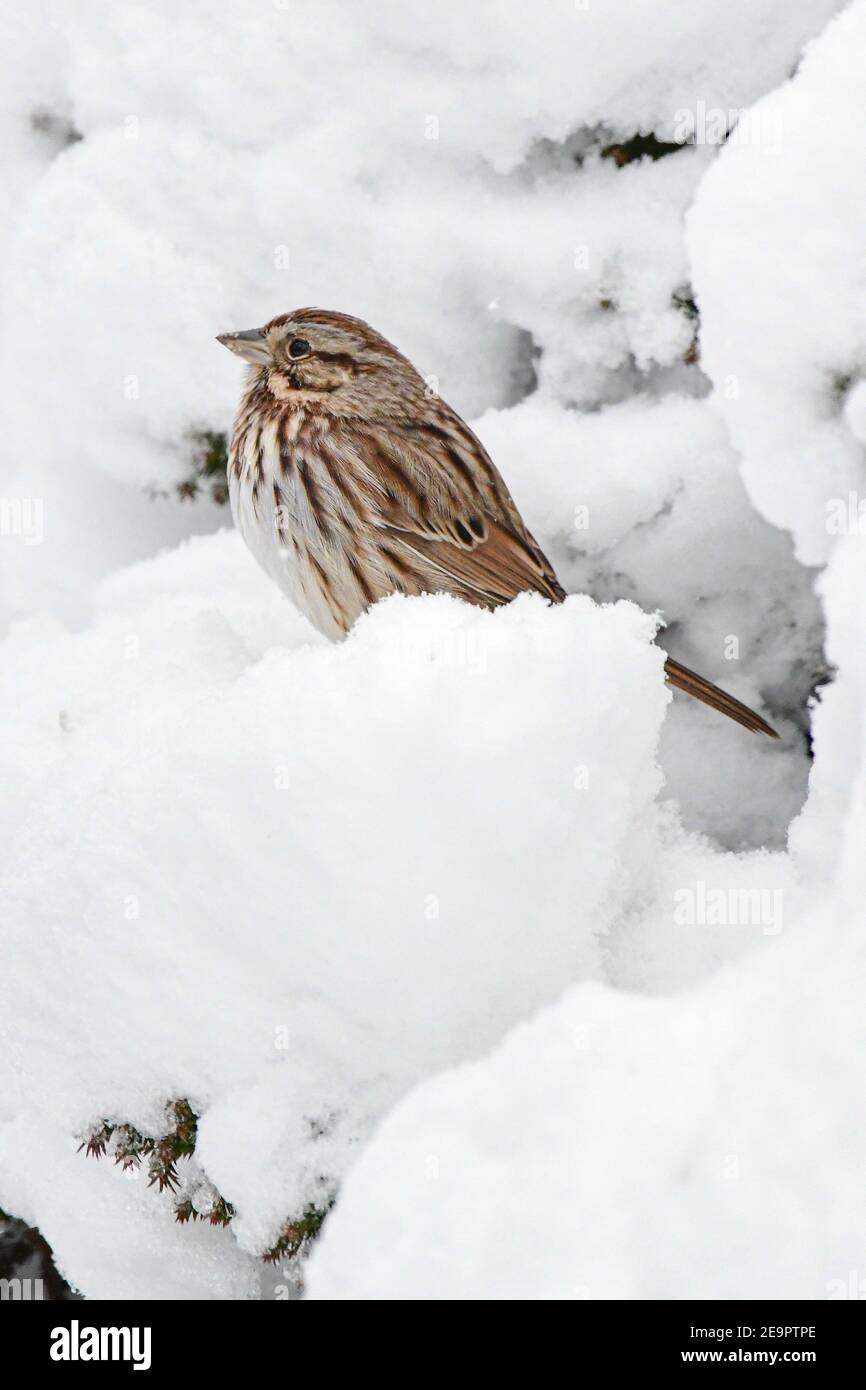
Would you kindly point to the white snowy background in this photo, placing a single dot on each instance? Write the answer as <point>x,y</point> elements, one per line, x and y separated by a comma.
<point>558,983</point>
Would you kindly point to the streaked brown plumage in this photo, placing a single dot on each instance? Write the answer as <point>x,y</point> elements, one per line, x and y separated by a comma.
<point>349,480</point>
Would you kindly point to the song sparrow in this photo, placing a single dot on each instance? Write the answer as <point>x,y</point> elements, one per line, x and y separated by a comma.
<point>349,482</point>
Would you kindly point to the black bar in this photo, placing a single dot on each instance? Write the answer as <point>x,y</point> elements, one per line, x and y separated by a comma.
<point>191,1337</point>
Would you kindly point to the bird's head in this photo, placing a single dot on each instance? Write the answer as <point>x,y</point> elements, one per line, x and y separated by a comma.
<point>321,353</point>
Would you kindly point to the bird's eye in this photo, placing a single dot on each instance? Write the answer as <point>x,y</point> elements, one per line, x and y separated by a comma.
<point>299,347</point>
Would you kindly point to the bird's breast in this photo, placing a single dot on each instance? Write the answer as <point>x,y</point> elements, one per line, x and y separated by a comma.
<point>282,510</point>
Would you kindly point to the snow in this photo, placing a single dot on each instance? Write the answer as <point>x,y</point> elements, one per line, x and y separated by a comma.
<point>463,922</point>
<point>131,1247</point>
<point>291,859</point>
<point>656,511</point>
<point>622,1147</point>
<point>618,1146</point>
<point>783,335</point>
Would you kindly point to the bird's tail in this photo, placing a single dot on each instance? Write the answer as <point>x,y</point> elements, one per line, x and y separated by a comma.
<point>689,681</point>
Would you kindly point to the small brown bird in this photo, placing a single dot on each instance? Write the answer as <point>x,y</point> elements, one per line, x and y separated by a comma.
<point>349,480</point>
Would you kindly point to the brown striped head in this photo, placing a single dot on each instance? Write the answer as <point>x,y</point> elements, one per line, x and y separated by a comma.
<point>320,354</point>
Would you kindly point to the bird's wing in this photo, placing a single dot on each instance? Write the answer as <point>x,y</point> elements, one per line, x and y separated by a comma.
<point>436,515</point>
<point>437,501</point>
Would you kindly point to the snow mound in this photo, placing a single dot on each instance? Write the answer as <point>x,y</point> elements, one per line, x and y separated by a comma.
<point>286,882</point>
<point>709,1145</point>
<point>619,1147</point>
<point>776,240</point>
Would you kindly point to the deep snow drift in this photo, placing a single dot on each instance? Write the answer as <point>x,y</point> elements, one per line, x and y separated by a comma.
<point>464,921</point>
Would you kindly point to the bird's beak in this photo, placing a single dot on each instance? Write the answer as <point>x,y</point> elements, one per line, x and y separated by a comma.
<point>250,345</point>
